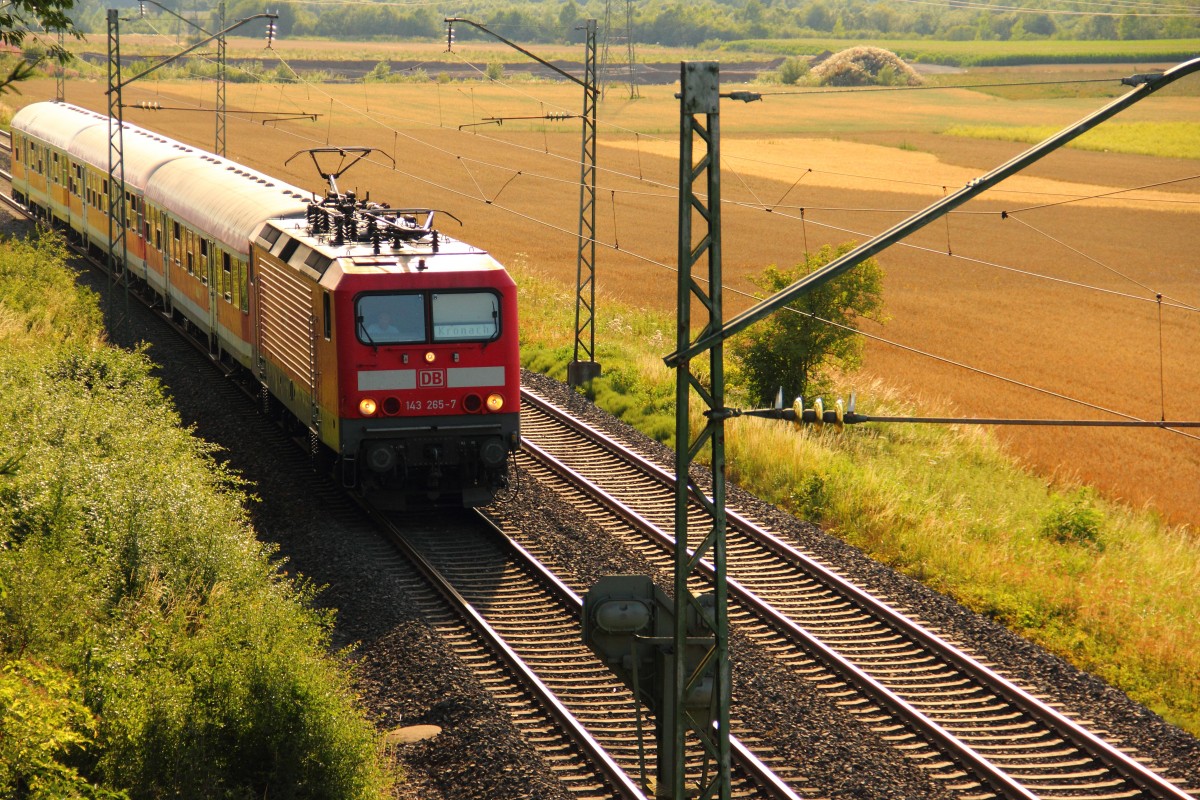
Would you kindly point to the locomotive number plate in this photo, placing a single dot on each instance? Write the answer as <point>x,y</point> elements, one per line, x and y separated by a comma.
<point>430,405</point>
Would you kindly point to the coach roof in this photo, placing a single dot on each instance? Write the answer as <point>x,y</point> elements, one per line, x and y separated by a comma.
<point>57,123</point>
<point>225,200</point>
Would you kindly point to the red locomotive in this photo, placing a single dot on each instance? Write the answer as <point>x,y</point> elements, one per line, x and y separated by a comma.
<point>393,344</point>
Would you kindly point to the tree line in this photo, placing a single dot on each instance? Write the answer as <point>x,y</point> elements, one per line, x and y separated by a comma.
<point>700,22</point>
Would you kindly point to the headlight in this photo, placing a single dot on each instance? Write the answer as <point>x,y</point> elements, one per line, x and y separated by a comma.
<point>367,407</point>
<point>495,402</point>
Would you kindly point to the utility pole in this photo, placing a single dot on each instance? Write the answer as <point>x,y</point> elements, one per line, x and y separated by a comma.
<point>710,675</point>
<point>580,370</point>
<point>118,205</point>
<point>60,84</point>
<point>614,40</point>
<point>583,370</point>
<point>219,147</point>
<point>220,136</point>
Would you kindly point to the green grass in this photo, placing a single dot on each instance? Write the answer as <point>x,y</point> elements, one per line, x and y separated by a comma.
<point>1113,590</point>
<point>1169,139</point>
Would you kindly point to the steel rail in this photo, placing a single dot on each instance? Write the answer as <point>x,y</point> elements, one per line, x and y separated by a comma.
<point>754,766</point>
<point>983,769</point>
<point>1128,767</point>
<point>621,782</point>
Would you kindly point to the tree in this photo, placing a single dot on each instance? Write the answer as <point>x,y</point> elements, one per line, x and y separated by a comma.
<point>17,21</point>
<point>795,347</point>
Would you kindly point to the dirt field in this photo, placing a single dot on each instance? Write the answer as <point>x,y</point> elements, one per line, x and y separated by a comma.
<point>1061,297</point>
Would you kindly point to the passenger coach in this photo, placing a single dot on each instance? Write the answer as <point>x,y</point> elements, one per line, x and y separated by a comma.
<point>393,344</point>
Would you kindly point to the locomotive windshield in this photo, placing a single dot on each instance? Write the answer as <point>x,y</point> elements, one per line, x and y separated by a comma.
<point>465,316</point>
<point>423,317</point>
<point>391,318</point>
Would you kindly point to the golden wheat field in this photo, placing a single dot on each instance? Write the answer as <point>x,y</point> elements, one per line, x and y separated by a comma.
<point>1050,310</point>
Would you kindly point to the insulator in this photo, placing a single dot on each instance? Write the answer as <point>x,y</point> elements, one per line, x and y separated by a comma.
<point>436,243</point>
<point>798,410</point>
<point>840,415</point>
<point>340,235</point>
<point>819,407</point>
<point>312,215</point>
<point>373,233</point>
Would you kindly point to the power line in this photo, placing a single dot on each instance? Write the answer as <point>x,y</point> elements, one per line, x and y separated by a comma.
<point>654,262</point>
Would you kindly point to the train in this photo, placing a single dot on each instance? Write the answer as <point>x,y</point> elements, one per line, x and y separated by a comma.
<point>392,343</point>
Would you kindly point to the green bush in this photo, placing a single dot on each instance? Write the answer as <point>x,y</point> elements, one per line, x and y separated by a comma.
<point>127,564</point>
<point>42,728</point>
<point>792,70</point>
<point>1074,520</point>
<point>796,348</point>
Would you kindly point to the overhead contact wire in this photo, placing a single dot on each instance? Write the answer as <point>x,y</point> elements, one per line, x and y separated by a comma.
<point>907,348</point>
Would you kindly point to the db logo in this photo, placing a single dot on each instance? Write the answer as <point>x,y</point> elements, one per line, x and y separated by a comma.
<point>431,379</point>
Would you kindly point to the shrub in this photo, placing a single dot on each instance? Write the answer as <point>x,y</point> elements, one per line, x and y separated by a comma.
<point>128,566</point>
<point>865,66</point>
<point>42,727</point>
<point>1074,520</point>
<point>792,70</point>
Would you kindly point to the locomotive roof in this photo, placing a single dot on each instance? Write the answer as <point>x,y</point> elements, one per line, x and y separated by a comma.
<point>410,247</point>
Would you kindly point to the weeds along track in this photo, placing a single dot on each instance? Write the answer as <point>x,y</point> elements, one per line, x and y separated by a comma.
<point>974,731</point>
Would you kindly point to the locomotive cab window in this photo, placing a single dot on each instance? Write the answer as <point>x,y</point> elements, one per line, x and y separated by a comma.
<point>390,318</point>
<point>465,316</point>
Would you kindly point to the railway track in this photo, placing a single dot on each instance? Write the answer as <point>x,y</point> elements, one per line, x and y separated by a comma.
<point>977,732</point>
<point>533,618</point>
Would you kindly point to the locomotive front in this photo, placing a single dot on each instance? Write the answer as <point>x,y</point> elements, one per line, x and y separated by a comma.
<point>413,373</point>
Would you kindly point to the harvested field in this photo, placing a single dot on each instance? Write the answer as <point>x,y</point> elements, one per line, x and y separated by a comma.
<point>1061,297</point>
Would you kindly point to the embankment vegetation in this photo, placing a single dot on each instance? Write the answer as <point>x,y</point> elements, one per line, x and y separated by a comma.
<point>1112,589</point>
<point>149,644</point>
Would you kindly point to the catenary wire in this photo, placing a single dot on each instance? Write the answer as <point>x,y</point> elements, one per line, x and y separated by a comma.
<point>882,340</point>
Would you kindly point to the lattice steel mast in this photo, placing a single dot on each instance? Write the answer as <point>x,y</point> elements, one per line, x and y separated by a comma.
<point>710,673</point>
<point>614,40</point>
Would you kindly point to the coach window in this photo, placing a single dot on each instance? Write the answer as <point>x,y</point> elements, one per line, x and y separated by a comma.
<point>465,316</point>
<point>227,276</point>
<point>241,273</point>
<point>390,318</point>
